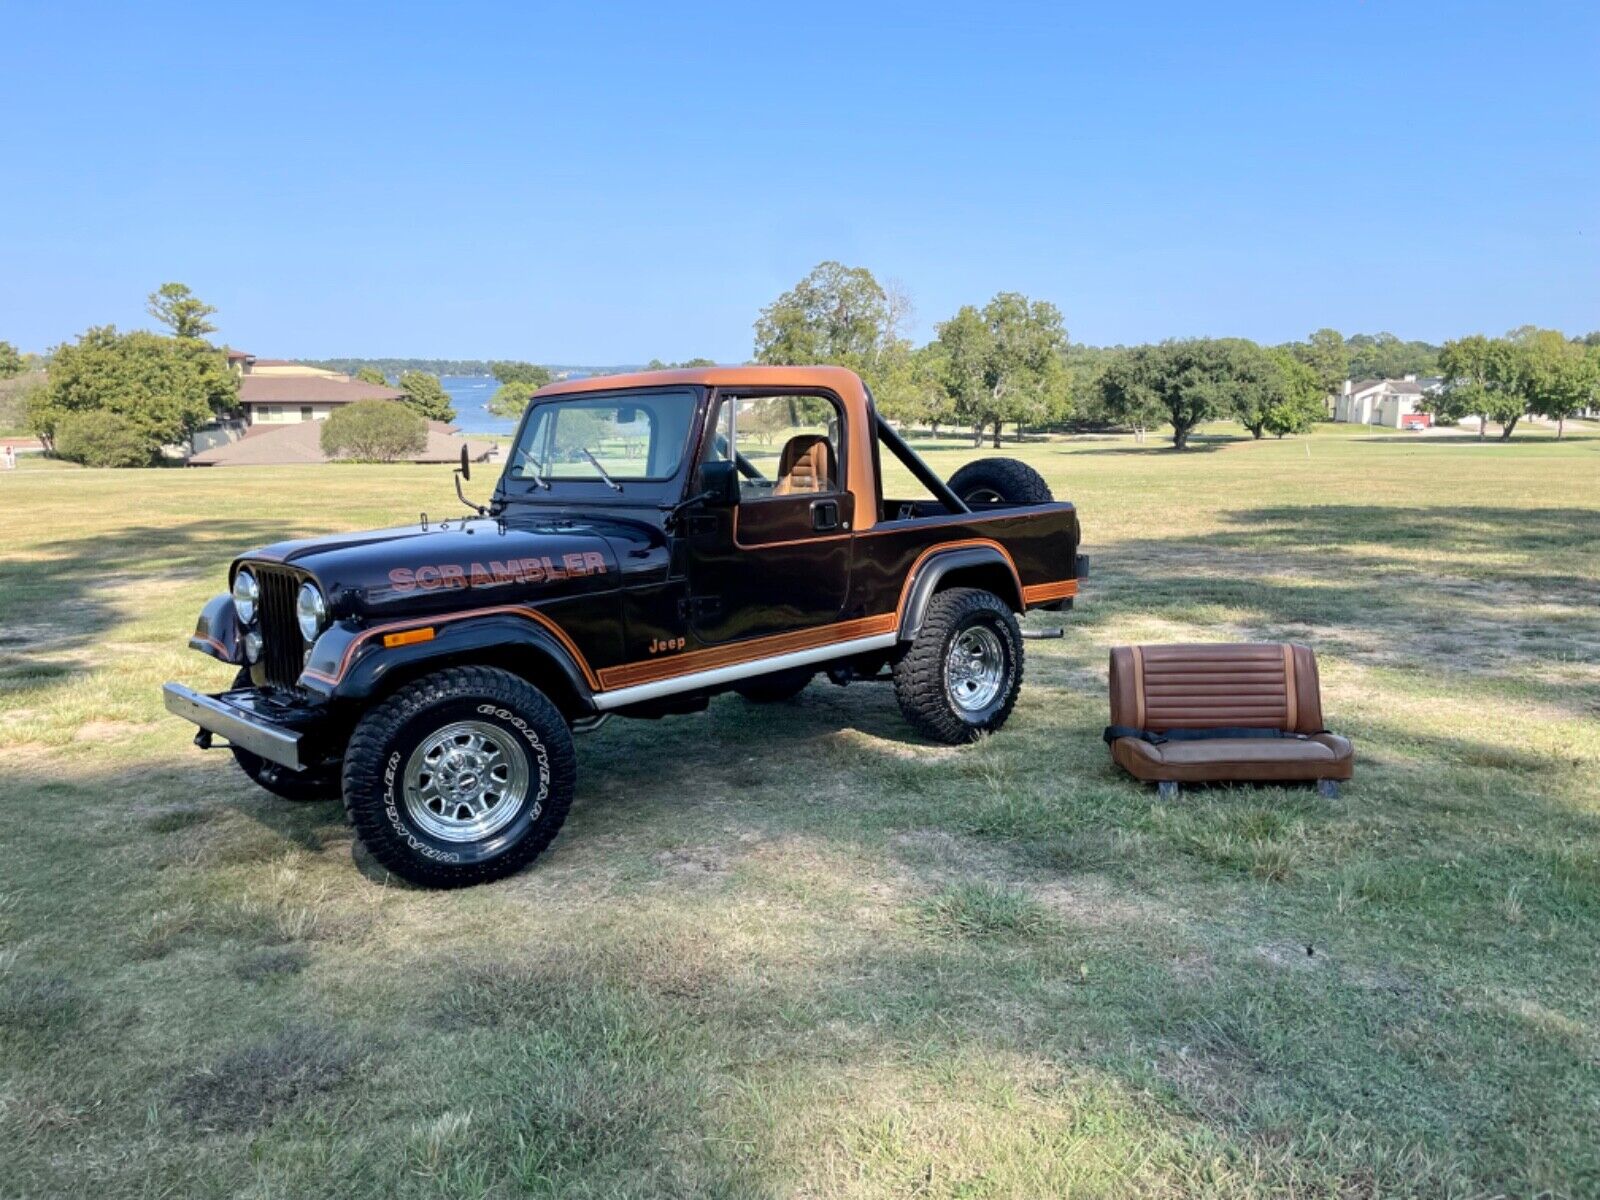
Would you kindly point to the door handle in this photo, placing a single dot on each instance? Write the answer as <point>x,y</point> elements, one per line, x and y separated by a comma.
<point>824,515</point>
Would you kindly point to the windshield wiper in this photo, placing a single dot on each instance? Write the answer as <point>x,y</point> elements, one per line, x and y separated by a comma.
<point>538,479</point>
<point>604,474</point>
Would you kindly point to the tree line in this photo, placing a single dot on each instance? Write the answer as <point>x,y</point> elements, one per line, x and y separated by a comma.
<point>115,399</point>
<point>1010,362</point>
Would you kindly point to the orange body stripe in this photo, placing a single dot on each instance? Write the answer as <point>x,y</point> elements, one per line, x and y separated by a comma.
<point>654,670</point>
<point>1043,593</point>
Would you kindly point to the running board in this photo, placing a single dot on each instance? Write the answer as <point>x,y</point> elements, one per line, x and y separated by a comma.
<point>694,681</point>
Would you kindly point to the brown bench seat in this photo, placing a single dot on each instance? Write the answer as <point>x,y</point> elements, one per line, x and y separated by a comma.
<point>1222,713</point>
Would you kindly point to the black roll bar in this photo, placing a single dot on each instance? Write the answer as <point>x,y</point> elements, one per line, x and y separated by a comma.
<point>923,472</point>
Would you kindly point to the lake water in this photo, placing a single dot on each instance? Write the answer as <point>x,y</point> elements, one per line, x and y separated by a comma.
<point>469,394</point>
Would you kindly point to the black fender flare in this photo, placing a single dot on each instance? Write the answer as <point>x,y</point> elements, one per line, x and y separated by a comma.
<point>218,632</point>
<point>940,563</point>
<point>352,664</point>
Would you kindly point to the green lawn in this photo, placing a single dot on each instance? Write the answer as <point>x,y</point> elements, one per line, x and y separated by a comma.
<point>794,951</point>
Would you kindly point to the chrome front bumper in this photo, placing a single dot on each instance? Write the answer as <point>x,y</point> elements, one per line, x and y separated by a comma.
<point>246,729</point>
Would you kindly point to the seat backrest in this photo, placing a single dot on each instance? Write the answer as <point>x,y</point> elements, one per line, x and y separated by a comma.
<point>806,465</point>
<point>1258,685</point>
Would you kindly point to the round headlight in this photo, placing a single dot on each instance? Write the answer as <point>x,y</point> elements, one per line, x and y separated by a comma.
<point>245,594</point>
<point>311,610</point>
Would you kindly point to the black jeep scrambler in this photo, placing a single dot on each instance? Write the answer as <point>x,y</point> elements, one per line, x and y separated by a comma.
<point>653,540</point>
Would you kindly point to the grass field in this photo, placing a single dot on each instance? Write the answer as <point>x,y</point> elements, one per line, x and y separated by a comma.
<point>793,951</point>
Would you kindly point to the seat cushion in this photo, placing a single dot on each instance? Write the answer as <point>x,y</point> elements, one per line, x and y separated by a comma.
<point>1267,760</point>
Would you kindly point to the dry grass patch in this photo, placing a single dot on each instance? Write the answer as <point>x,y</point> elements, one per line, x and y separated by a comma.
<point>250,1086</point>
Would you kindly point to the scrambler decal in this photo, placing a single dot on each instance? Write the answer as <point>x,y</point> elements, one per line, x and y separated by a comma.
<point>430,578</point>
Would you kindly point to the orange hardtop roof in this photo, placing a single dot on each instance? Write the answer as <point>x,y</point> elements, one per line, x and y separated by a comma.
<point>837,379</point>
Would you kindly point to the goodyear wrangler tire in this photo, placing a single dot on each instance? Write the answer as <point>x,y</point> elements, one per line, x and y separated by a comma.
<point>960,677</point>
<point>459,778</point>
<point>1007,479</point>
<point>301,786</point>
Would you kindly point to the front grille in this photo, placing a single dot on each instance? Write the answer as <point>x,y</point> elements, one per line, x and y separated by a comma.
<point>283,649</point>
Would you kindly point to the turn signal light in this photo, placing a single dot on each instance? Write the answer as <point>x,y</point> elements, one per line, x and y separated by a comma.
<point>409,638</point>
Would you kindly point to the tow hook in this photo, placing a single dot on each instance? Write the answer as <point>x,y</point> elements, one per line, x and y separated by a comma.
<point>1037,634</point>
<point>203,739</point>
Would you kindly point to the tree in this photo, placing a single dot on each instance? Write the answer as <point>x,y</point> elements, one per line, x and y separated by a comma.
<point>1180,382</point>
<point>181,311</point>
<point>165,387</point>
<point>372,375</point>
<point>1004,363</point>
<point>1479,381</point>
<point>10,361</point>
<point>1384,356</point>
<point>425,395</point>
<point>967,348</point>
<point>511,398</point>
<point>1326,354</point>
<point>374,431</point>
<point>655,364</point>
<point>513,371</point>
<point>1254,383</point>
<point>836,314</point>
<point>911,387</point>
<point>1301,397</point>
<point>1557,377</point>
<point>101,439</point>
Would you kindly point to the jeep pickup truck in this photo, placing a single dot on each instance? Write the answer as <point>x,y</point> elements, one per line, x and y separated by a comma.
<point>653,540</point>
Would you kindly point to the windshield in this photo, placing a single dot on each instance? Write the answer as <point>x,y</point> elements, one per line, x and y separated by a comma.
<point>618,438</point>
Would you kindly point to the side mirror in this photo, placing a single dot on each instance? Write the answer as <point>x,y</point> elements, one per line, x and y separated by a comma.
<point>466,463</point>
<point>719,480</point>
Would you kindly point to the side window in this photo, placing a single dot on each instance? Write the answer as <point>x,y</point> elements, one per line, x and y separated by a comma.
<point>788,445</point>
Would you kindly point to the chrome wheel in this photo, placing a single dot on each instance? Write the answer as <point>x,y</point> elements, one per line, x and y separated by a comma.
<point>975,668</point>
<point>466,782</point>
<point>982,495</point>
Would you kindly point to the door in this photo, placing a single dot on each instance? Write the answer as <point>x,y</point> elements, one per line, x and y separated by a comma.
<point>780,560</point>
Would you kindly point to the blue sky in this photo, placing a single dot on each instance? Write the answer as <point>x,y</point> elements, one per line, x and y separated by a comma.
<point>606,184</point>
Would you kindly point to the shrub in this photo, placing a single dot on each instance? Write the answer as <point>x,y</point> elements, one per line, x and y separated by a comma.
<point>374,431</point>
<point>102,439</point>
<point>165,387</point>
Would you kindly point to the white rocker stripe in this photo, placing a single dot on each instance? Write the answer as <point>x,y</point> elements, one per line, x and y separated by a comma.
<point>621,697</point>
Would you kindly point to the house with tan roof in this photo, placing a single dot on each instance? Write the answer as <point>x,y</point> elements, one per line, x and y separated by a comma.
<point>277,391</point>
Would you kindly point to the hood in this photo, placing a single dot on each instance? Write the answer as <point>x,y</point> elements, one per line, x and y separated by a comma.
<point>463,564</point>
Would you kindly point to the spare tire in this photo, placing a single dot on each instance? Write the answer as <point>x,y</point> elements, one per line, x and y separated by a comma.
<point>1004,479</point>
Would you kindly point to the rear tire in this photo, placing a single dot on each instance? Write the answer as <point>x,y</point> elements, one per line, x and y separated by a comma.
<point>1006,479</point>
<point>960,677</point>
<point>303,787</point>
<point>459,778</point>
<point>775,688</point>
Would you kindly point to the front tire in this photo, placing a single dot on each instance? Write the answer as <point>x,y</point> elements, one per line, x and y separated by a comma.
<point>960,676</point>
<point>462,777</point>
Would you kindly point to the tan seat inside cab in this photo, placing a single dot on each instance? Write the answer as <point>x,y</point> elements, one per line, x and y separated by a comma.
<point>806,465</point>
<point>1261,690</point>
